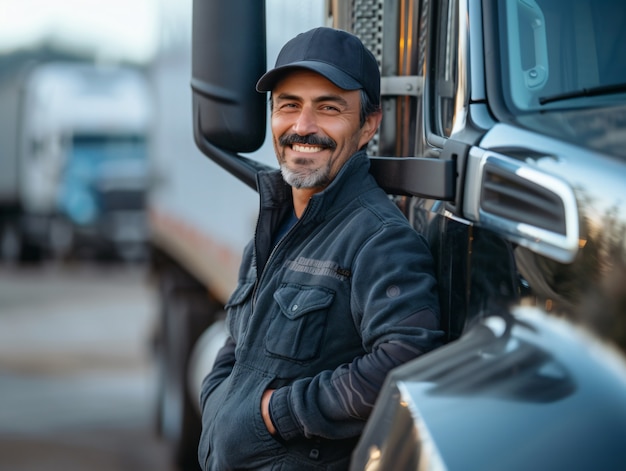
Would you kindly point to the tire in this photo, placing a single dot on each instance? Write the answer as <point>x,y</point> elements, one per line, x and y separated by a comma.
<point>10,243</point>
<point>17,247</point>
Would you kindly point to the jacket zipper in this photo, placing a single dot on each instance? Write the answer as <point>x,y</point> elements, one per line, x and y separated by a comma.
<point>269,259</point>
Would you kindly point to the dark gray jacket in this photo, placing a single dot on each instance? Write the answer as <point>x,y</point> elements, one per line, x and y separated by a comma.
<point>345,296</point>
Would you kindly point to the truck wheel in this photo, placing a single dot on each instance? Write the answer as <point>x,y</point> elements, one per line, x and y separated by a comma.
<point>31,253</point>
<point>10,243</point>
<point>16,246</point>
<point>186,313</point>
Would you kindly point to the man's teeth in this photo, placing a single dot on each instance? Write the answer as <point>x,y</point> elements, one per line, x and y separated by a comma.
<point>309,149</point>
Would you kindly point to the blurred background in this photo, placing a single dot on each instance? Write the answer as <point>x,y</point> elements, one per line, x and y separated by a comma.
<point>77,106</point>
<point>79,81</point>
<point>119,240</point>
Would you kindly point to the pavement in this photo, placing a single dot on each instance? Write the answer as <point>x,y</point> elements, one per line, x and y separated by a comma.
<point>77,377</point>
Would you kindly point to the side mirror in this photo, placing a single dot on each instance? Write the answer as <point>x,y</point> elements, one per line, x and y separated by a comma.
<point>229,55</point>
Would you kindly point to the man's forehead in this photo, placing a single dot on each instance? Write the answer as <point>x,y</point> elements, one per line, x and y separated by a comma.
<point>303,80</point>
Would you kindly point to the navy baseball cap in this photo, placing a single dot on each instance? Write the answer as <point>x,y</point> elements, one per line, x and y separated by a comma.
<point>337,55</point>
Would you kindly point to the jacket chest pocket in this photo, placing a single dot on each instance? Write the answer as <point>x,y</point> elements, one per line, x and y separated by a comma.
<point>296,331</point>
<point>237,308</point>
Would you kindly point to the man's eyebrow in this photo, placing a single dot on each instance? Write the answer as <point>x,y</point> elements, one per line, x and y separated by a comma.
<point>287,97</point>
<point>320,99</point>
<point>335,98</point>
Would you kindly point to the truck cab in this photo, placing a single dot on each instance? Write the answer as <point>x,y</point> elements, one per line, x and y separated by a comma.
<point>81,165</point>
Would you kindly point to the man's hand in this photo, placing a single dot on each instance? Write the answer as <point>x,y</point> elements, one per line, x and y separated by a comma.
<point>265,411</point>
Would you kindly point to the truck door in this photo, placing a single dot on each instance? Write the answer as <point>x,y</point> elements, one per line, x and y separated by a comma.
<point>423,51</point>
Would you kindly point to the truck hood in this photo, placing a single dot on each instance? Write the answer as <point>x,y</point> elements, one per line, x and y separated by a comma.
<point>598,129</point>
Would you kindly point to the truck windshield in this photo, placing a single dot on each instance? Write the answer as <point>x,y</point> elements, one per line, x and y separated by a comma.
<point>562,53</point>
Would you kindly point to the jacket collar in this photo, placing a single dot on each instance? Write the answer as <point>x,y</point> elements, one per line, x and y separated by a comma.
<point>353,178</point>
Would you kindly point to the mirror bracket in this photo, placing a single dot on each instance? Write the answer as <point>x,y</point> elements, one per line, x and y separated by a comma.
<point>416,176</point>
<point>242,168</point>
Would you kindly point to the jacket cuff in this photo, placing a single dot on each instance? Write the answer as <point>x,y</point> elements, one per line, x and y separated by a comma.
<point>281,416</point>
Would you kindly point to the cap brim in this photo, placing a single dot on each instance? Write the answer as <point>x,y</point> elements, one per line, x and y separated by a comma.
<point>267,82</point>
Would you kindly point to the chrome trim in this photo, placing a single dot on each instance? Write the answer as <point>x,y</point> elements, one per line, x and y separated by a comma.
<point>453,217</point>
<point>477,71</point>
<point>473,187</point>
<point>559,247</point>
<point>402,86</point>
<point>461,101</point>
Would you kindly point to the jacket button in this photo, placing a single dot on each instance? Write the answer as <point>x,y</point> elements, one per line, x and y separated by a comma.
<point>294,308</point>
<point>314,454</point>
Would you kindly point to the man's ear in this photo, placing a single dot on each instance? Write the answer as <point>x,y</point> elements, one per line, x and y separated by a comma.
<point>369,128</point>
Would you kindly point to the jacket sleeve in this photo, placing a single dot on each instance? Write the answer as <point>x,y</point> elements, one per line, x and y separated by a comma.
<point>225,360</point>
<point>222,367</point>
<point>395,304</point>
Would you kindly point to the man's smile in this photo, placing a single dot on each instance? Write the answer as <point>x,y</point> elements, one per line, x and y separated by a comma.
<point>306,149</point>
<point>309,144</point>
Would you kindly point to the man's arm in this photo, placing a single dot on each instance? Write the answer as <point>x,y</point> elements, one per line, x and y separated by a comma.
<point>222,367</point>
<point>344,397</point>
<point>396,308</point>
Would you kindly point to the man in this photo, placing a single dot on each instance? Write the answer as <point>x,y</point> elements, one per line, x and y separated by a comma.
<point>336,288</point>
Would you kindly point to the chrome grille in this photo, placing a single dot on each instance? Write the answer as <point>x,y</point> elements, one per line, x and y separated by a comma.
<point>367,24</point>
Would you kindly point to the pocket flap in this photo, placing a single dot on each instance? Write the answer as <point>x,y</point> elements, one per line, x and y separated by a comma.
<point>295,301</point>
<point>240,294</point>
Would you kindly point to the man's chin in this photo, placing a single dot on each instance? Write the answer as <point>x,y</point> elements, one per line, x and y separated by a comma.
<point>304,178</point>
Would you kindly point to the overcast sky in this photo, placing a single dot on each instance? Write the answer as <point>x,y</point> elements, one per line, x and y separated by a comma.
<point>126,29</point>
<point>129,30</point>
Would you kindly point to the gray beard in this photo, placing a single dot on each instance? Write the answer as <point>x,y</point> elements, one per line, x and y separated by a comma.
<point>318,178</point>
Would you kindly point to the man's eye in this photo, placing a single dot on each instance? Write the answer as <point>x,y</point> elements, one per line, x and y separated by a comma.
<point>330,108</point>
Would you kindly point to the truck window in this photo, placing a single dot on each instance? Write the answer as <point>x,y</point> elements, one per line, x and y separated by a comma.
<point>558,53</point>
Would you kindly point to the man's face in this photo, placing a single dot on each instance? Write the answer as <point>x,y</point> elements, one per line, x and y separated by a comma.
<point>316,128</point>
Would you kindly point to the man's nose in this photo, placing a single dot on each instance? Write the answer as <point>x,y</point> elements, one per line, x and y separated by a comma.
<point>305,123</point>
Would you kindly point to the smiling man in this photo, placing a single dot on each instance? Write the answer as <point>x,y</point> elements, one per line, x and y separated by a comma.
<point>316,129</point>
<point>336,288</point>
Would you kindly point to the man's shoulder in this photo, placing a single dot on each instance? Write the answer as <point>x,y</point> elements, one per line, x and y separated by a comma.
<point>380,205</point>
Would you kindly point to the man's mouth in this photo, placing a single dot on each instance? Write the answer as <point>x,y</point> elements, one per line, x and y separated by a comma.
<point>309,144</point>
<point>306,149</point>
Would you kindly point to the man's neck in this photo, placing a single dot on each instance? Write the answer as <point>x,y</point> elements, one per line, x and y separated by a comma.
<point>301,197</point>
